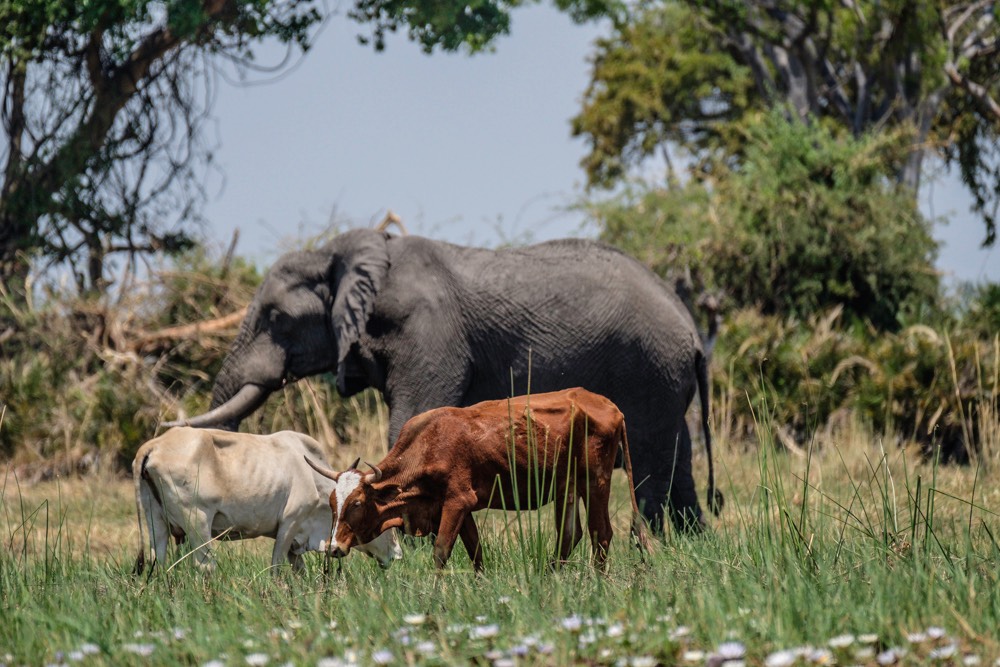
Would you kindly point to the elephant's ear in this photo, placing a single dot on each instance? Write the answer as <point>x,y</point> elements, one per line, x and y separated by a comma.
<point>361,262</point>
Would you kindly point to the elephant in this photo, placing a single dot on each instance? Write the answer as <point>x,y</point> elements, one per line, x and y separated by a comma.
<point>431,324</point>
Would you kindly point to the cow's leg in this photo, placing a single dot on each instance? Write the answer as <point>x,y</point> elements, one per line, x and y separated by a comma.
<point>596,499</point>
<point>470,538</point>
<point>199,538</point>
<point>453,515</point>
<point>568,521</point>
<point>283,543</point>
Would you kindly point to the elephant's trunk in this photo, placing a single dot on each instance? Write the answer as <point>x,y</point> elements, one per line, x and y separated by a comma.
<point>229,414</point>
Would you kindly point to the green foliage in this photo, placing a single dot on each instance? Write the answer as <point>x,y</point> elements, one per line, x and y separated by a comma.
<point>808,220</point>
<point>808,553</point>
<point>82,377</point>
<point>690,74</point>
<point>104,103</point>
<point>807,377</point>
<point>980,308</point>
<point>451,25</point>
<point>660,78</point>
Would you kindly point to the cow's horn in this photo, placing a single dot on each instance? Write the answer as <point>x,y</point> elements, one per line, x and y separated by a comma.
<point>377,473</point>
<point>354,466</point>
<point>323,471</point>
<point>243,403</point>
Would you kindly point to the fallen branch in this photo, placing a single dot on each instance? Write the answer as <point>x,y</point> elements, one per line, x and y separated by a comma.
<point>147,342</point>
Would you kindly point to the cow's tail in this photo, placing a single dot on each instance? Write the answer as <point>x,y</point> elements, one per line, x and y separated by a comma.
<point>137,473</point>
<point>715,498</point>
<point>638,527</point>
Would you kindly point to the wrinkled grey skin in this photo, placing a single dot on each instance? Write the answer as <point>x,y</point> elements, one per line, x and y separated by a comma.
<point>431,324</point>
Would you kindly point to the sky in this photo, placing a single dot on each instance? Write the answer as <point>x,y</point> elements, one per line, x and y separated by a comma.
<point>474,150</point>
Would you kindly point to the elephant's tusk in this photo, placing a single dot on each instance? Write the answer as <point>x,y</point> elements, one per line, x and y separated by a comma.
<point>236,408</point>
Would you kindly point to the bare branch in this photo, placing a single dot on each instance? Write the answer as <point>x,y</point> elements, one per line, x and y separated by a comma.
<point>977,91</point>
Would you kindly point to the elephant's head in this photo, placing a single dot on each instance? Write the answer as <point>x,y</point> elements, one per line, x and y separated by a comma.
<point>311,308</point>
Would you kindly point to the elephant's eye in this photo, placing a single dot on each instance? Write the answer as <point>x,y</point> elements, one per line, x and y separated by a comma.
<point>278,319</point>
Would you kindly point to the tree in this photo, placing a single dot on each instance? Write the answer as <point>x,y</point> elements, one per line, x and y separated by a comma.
<point>103,104</point>
<point>686,72</point>
<point>808,221</point>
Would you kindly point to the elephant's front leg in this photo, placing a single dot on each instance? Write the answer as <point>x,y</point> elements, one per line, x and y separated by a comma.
<point>407,399</point>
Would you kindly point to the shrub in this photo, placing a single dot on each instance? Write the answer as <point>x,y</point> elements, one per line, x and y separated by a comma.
<point>807,220</point>
<point>927,386</point>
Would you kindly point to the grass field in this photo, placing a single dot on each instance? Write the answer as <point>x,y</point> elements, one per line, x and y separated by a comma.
<point>851,555</point>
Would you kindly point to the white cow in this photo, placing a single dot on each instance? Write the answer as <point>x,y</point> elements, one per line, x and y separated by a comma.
<point>201,484</point>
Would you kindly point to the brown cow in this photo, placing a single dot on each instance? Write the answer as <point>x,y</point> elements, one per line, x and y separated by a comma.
<point>450,462</point>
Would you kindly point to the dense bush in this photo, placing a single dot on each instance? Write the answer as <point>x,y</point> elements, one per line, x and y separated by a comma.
<point>81,375</point>
<point>807,221</point>
<point>923,385</point>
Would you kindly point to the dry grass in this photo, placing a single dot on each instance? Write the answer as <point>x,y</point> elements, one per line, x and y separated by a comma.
<point>96,512</point>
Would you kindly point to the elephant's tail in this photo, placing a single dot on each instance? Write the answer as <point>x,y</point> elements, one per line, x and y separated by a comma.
<point>638,528</point>
<point>715,498</point>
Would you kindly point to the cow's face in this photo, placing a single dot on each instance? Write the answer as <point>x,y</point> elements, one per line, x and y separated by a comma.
<point>355,517</point>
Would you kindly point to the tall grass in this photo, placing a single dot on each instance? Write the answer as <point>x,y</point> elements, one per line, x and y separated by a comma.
<point>851,539</point>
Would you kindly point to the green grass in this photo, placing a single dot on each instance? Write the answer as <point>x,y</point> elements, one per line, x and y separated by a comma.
<point>848,541</point>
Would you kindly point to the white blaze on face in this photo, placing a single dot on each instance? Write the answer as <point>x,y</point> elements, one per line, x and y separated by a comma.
<point>346,483</point>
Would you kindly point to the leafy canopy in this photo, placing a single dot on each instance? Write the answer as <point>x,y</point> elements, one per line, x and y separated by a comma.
<point>808,220</point>
<point>104,104</point>
<point>689,73</point>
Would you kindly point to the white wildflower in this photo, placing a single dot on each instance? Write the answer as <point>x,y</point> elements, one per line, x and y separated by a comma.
<point>679,632</point>
<point>781,659</point>
<point>820,656</point>
<point>916,637</point>
<point>215,663</point>
<point>731,651</point>
<point>934,632</point>
<point>616,630</point>
<point>643,661</point>
<point>335,662</point>
<point>504,599</point>
<point>888,657</point>
<point>693,656</point>
<point>145,650</point>
<point>869,638</point>
<point>971,660</point>
<point>383,657</point>
<point>484,631</point>
<point>415,619</point>
<point>572,623</point>
<point>943,652</point>
<point>841,641</point>
<point>504,662</point>
<point>257,659</point>
<point>426,648</point>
